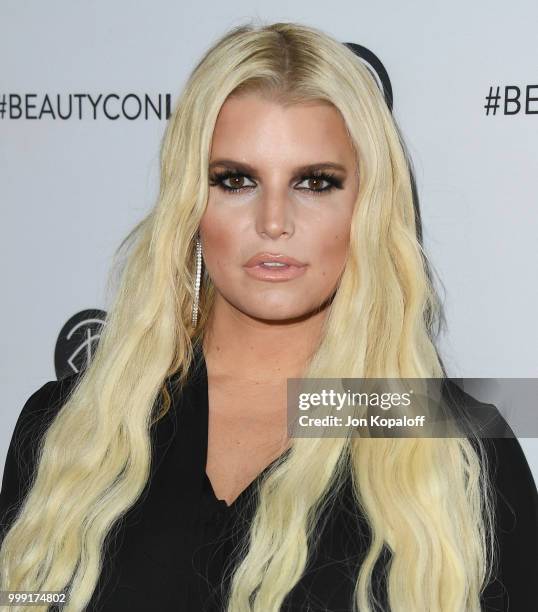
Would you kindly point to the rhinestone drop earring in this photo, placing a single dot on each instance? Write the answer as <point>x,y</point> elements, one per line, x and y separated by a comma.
<point>198,278</point>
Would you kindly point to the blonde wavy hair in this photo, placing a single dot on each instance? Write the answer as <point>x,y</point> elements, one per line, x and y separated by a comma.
<point>427,500</point>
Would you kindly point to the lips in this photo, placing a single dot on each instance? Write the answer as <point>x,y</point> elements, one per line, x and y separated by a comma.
<point>260,258</point>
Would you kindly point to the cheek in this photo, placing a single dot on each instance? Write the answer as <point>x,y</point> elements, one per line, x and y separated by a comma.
<point>331,252</point>
<point>219,244</point>
<point>329,235</point>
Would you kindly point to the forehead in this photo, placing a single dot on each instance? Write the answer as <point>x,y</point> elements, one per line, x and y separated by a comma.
<point>255,127</point>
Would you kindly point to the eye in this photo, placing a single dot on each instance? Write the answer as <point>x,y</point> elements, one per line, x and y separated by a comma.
<point>316,179</point>
<point>236,178</point>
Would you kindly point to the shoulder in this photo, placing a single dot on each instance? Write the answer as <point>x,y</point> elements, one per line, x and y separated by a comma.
<point>516,526</point>
<point>39,410</point>
<point>33,420</point>
<point>515,488</point>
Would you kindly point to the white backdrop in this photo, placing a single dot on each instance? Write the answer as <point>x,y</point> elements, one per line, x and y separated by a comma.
<point>71,189</point>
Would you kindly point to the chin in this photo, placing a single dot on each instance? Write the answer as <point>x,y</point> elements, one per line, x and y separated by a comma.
<point>278,314</point>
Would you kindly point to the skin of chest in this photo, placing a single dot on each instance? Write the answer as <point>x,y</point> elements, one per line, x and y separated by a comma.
<point>246,425</point>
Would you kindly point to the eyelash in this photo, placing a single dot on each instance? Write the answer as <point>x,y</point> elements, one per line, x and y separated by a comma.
<point>218,179</point>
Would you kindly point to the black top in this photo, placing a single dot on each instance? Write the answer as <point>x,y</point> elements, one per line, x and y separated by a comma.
<point>168,552</point>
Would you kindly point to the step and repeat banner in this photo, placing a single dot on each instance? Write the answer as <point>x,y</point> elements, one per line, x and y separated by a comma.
<point>86,89</point>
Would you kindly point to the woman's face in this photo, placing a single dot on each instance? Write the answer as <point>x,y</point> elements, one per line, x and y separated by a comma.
<point>288,202</point>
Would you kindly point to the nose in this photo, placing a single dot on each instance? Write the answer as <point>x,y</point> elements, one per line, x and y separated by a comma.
<point>274,217</point>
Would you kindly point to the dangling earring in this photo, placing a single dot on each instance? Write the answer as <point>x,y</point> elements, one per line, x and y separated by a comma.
<point>197,281</point>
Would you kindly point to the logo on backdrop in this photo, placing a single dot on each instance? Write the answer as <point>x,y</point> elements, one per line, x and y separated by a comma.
<point>77,342</point>
<point>376,68</point>
<point>512,100</point>
<point>85,106</point>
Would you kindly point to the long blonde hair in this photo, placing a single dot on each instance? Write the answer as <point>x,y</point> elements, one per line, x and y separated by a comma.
<point>95,458</point>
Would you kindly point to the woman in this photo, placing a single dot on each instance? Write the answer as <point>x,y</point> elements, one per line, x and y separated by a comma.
<point>165,478</point>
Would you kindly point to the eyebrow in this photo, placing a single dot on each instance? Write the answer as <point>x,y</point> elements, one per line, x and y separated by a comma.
<point>244,167</point>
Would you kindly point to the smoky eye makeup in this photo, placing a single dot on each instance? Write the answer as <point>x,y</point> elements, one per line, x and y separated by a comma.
<point>324,181</point>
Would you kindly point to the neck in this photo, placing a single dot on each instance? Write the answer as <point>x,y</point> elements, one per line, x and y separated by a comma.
<point>263,350</point>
